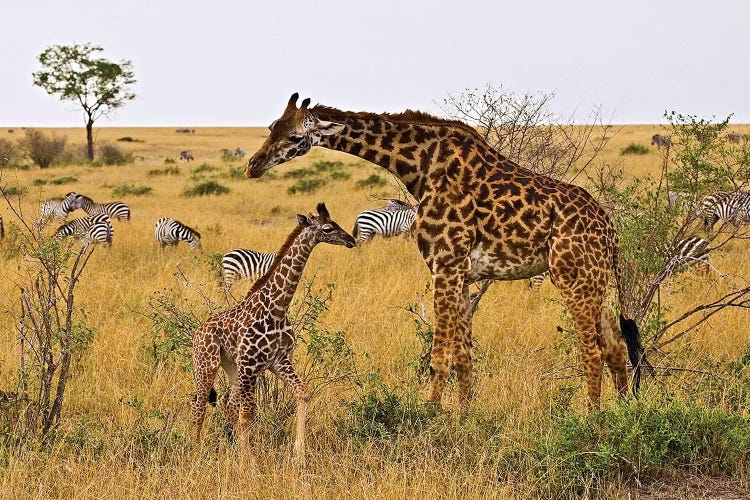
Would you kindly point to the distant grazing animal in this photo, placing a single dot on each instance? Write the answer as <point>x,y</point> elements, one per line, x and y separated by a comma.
<point>92,229</point>
<point>240,152</point>
<point>185,130</point>
<point>243,264</point>
<point>384,221</point>
<point>186,155</point>
<point>170,232</point>
<point>115,209</point>
<point>255,335</point>
<point>734,138</point>
<point>732,207</point>
<point>661,141</point>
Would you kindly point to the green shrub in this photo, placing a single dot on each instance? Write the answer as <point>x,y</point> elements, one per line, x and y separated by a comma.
<point>127,138</point>
<point>325,166</point>
<point>373,181</point>
<point>9,153</point>
<point>205,188</point>
<point>109,154</point>
<point>340,176</point>
<point>306,186</point>
<point>299,173</point>
<point>131,190</point>
<point>168,160</point>
<point>63,180</point>
<point>634,439</point>
<point>19,191</point>
<point>634,149</point>
<point>40,182</point>
<point>204,167</point>
<point>164,171</point>
<point>42,149</point>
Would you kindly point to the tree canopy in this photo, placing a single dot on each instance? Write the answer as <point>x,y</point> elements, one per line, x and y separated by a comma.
<point>76,73</point>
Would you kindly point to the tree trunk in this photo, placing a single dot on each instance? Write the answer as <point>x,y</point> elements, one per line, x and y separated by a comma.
<point>90,139</point>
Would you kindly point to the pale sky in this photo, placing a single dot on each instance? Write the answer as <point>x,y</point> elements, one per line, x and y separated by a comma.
<point>226,63</point>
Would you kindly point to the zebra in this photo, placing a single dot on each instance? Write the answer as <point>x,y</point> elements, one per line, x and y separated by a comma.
<point>243,263</point>
<point>535,282</point>
<point>239,152</point>
<point>394,205</point>
<point>688,251</point>
<point>170,232</point>
<point>661,141</point>
<point>729,206</point>
<point>116,209</point>
<point>58,210</point>
<point>734,138</point>
<point>384,221</point>
<point>186,155</point>
<point>92,229</point>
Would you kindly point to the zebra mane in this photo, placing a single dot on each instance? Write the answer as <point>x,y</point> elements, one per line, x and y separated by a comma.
<point>279,256</point>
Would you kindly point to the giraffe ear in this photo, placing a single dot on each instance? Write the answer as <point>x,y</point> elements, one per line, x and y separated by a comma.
<point>304,221</point>
<point>328,128</point>
<point>323,211</point>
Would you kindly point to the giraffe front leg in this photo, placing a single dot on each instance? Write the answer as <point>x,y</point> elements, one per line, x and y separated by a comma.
<point>462,354</point>
<point>285,371</point>
<point>447,336</point>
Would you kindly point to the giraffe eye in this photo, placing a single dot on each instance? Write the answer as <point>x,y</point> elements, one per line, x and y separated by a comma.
<point>327,229</point>
<point>296,138</point>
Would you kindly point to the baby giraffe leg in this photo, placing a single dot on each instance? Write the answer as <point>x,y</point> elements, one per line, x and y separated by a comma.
<point>285,371</point>
<point>247,381</point>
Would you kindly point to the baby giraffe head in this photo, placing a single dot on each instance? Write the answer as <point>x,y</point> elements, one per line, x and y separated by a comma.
<point>325,229</point>
<point>292,135</point>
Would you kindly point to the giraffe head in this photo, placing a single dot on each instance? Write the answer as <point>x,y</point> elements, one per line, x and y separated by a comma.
<point>292,135</point>
<point>326,230</point>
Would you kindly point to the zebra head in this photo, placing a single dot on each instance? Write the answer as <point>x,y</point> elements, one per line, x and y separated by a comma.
<point>292,135</point>
<point>326,230</point>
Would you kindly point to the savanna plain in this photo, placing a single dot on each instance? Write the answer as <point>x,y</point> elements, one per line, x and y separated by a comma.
<point>124,431</point>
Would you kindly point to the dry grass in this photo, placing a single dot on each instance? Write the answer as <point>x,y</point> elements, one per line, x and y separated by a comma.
<point>104,453</point>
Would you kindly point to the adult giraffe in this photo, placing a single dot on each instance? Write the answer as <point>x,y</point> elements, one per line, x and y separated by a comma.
<point>480,216</point>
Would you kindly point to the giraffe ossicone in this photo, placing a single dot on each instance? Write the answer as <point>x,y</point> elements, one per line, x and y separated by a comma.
<point>480,216</point>
<point>255,336</point>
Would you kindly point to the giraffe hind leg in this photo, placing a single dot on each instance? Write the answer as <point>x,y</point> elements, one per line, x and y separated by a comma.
<point>206,362</point>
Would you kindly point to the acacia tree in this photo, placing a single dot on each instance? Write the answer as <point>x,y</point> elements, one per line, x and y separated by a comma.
<point>75,73</point>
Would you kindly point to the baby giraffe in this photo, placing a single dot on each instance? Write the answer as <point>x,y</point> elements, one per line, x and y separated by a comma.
<point>255,335</point>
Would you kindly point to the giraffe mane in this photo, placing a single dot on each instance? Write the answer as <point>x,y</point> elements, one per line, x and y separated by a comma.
<point>409,116</point>
<point>277,261</point>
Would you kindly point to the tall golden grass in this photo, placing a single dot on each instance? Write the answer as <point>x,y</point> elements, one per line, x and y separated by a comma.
<point>117,397</point>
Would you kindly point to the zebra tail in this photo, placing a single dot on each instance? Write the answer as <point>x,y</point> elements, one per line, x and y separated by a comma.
<point>629,328</point>
<point>213,397</point>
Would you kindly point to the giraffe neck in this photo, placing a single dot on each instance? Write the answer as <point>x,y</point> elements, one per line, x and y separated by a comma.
<point>404,149</point>
<point>276,288</point>
<point>416,146</point>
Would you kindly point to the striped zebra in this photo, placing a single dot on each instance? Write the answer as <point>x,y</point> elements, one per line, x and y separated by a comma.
<point>243,264</point>
<point>688,251</point>
<point>57,210</point>
<point>115,209</point>
<point>384,221</point>
<point>729,206</point>
<point>92,229</point>
<point>536,282</point>
<point>187,155</point>
<point>170,232</point>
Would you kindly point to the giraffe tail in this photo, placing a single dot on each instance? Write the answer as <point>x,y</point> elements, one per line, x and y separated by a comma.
<point>629,328</point>
<point>213,397</point>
